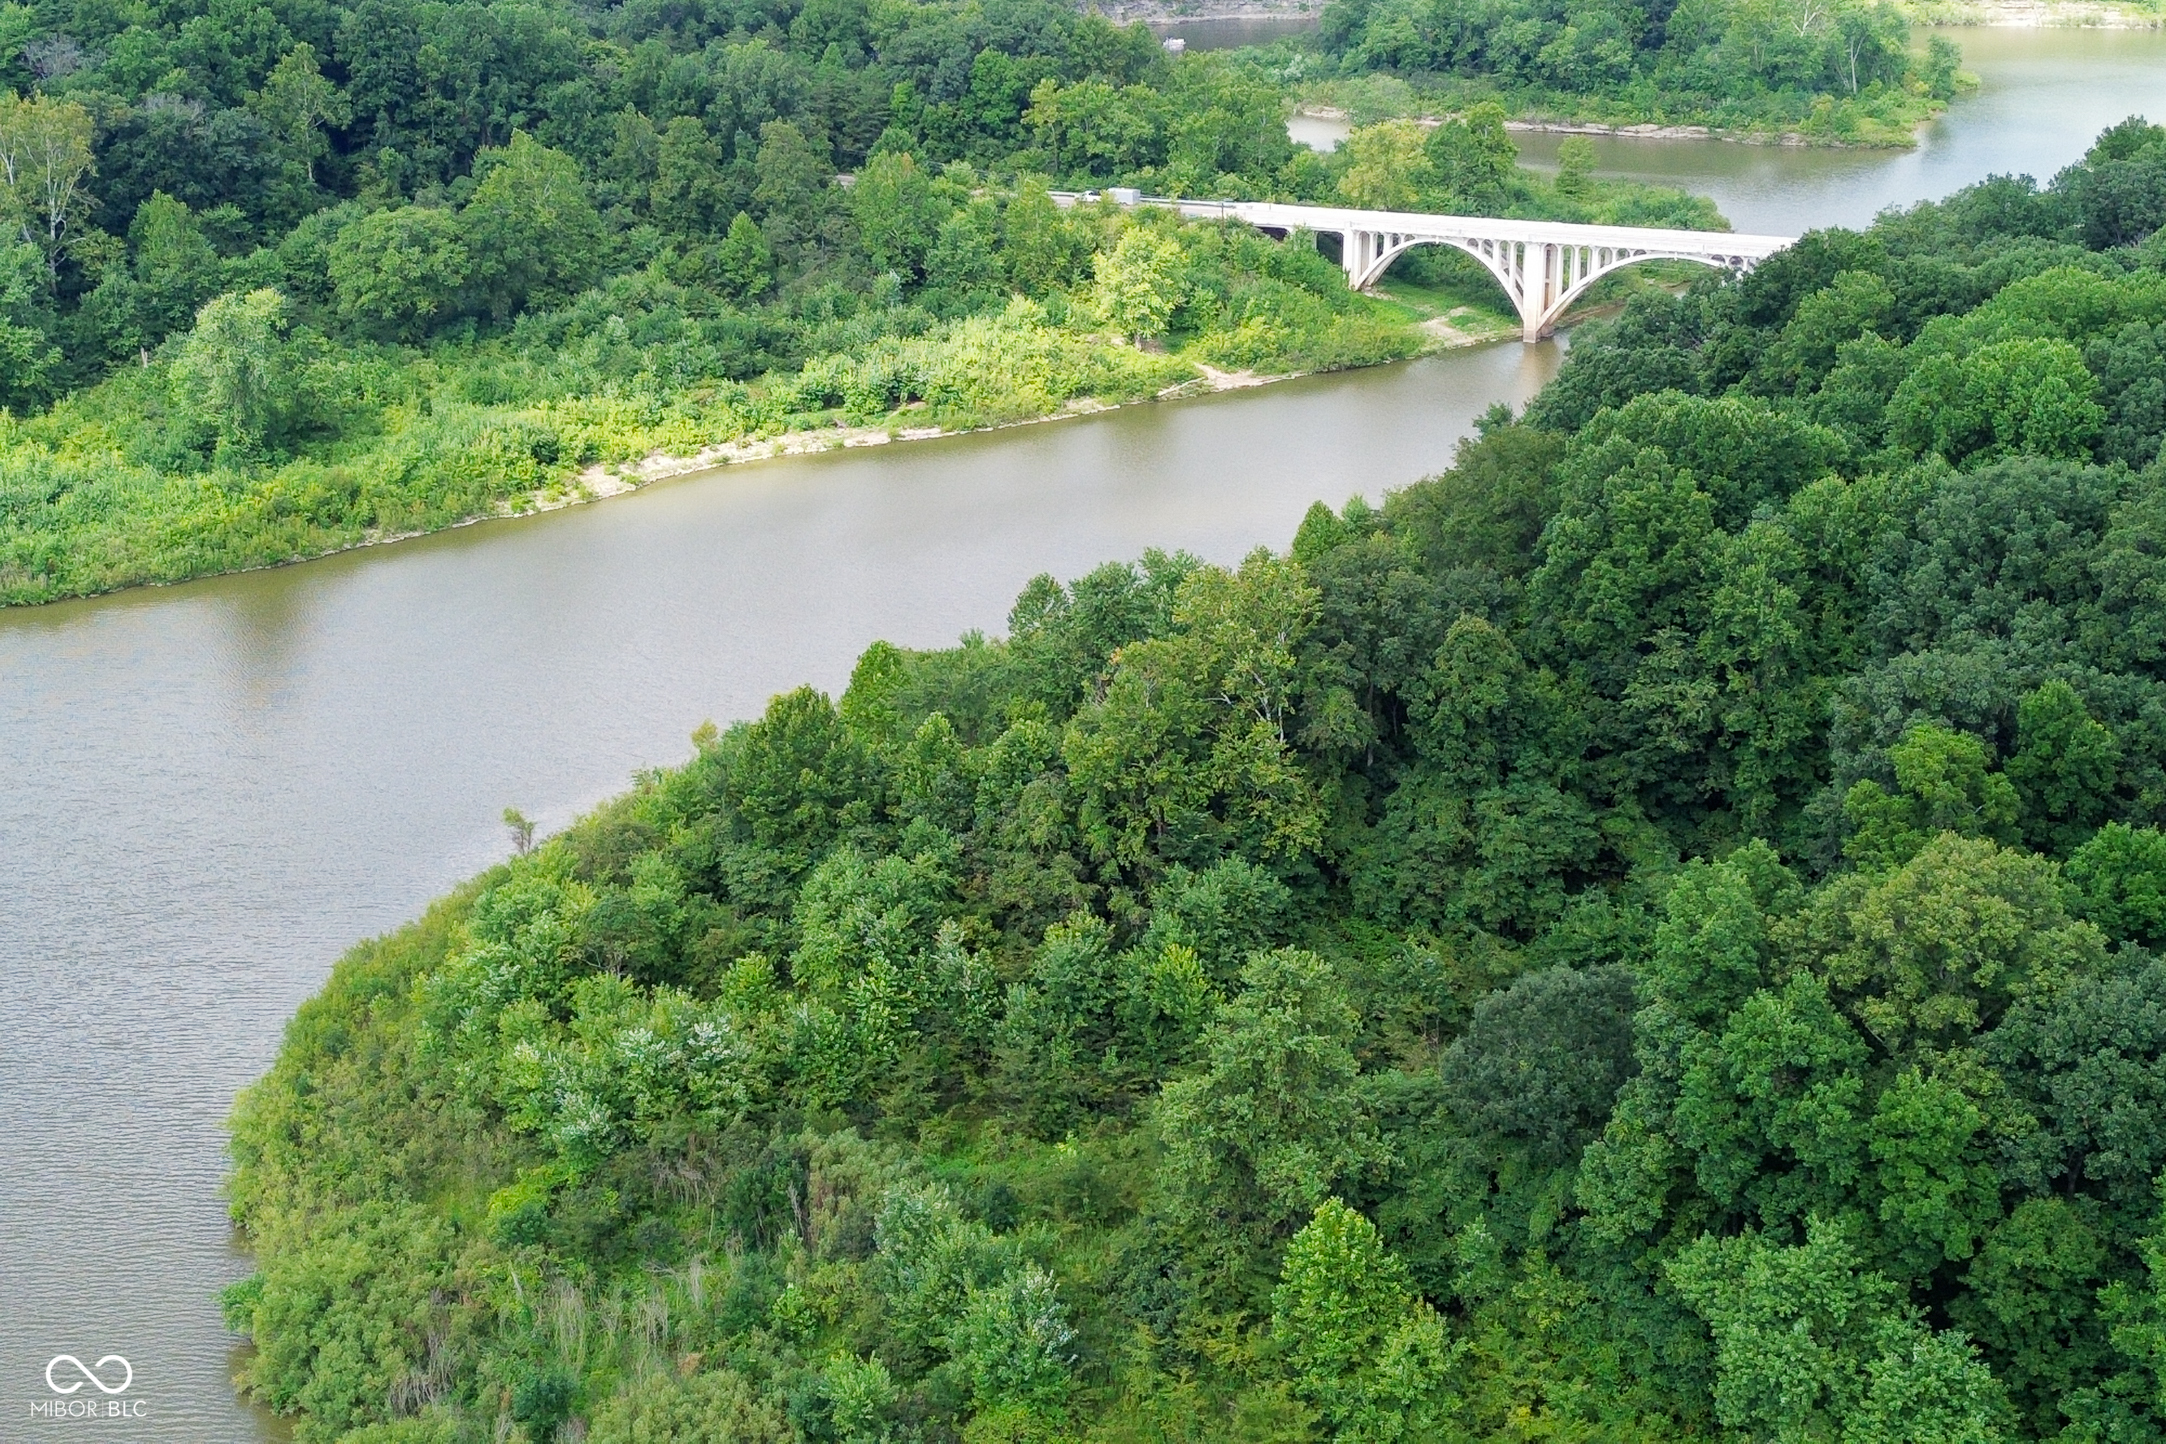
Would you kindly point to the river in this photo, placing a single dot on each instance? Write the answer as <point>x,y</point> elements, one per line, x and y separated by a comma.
<point>207,792</point>
<point>2042,96</point>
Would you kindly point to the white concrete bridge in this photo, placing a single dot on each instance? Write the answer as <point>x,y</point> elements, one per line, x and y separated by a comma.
<point>1544,266</point>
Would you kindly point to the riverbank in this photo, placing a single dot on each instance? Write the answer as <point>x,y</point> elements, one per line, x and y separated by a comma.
<point>110,523</point>
<point>600,482</point>
<point>1644,130</point>
<point>1442,318</point>
<point>1455,327</point>
<point>1433,320</point>
<point>1892,123</point>
<point>1647,130</point>
<point>2040,14</point>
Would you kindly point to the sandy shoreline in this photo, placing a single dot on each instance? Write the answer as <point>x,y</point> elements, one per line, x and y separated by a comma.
<point>604,480</point>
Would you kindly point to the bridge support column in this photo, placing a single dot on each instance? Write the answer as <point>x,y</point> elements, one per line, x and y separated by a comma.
<point>1354,252</point>
<point>1539,285</point>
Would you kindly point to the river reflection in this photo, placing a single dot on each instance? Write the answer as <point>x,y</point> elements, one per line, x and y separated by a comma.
<point>208,792</point>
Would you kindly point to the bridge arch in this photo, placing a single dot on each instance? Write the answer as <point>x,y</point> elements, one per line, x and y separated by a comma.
<point>1542,278</point>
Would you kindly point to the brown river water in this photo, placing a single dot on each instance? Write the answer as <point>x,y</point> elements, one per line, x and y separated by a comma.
<point>207,792</point>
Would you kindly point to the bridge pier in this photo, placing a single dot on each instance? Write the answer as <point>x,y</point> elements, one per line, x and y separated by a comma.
<point>1538,309</point>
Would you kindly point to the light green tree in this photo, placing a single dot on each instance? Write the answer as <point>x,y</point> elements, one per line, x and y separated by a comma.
<point>1575,166</point>
<point>1224,120</point>
<point>791,194</point>
<point>396,271</point>
<point>1042,249</point>
<point>898,214</point>
<point>176,266</point>
<point>1388,167</point>
<point>1812,1344</point>
<point>1928,955</point>
<point>2023,395</point>
<point>635,158</point>
<point>1139,282</point>
<point>688,190</point>
<point>1260,1135</point>
<point>175,270</point>
<point>1368,1351</point>
<point>27,356</point>
<point>2121,875</point>
<point>1942,784</point>
<point>961,261</point>
<point>860,1393</point>
<point>2063,768</point>
<point>1012,1343</point>
<point>531,228</point>
<point>1094,128</point>
<point>232,369</point>
<point>297,102</point>
<point>1475,160</point>
<point>45,159</point>
<point>698,1410</point>
<point>746,263</point>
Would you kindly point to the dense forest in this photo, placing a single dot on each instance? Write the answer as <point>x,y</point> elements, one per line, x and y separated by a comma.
<point>280,277</point>
<point>1646,935</point>
<point>1839,71</point>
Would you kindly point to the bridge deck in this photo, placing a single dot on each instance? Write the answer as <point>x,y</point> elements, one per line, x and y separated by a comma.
<point>1276,214</point>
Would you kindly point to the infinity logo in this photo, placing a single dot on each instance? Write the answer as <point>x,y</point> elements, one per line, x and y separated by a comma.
<point>89,1374</point>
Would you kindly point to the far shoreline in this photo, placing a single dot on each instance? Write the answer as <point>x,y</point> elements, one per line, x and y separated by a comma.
<point>1961,14</point>
<point>1650,130</point>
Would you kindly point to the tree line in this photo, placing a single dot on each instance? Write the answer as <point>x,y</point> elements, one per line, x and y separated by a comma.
<point>1834,70</point>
